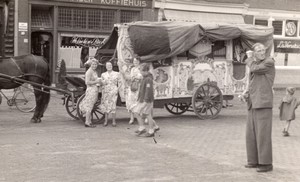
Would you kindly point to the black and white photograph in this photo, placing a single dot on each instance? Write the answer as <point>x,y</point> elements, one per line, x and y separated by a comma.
<point>149,90</point>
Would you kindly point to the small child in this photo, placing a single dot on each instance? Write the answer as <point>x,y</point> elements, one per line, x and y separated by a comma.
<point>288,105</point>
<point>144,108</point>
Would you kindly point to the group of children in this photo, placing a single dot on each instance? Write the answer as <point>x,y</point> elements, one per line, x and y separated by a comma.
<point>288,105</point>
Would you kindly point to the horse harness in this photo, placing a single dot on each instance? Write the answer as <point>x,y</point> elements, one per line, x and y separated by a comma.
<point>23,75</point>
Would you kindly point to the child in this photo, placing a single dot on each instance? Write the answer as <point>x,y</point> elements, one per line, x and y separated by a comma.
<point>287,107</point>
<point>145,103</point>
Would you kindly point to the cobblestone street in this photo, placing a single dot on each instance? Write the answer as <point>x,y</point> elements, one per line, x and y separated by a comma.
<point>185,149</point>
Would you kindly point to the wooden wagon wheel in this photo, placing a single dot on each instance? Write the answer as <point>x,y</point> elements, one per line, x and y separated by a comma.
<point>72,111</point>
<point>177,108</point>
<point>97,115</point>
<point>207,101</point>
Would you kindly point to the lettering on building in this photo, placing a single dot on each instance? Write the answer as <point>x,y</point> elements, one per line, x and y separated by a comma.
<point>129,3</point>
<point>287,46</point>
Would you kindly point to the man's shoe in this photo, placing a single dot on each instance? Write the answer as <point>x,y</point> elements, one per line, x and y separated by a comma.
<point>251,165</point>
<point>138,133</point>
<point>264,168</point>
<point>286,134</point>
<point>149,135</point>
<point>156,129</point>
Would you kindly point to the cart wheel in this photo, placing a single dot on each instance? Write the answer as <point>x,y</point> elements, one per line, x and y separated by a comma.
<point>97,115</point>
<point>72,111</point>
<point>25,100</point>
<point>177,108</point>
<point>207,101</point>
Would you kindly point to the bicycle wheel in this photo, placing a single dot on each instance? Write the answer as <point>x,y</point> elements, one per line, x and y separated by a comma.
<point>25,100</point>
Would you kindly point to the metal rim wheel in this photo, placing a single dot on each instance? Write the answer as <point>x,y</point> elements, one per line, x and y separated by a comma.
<point>207,101</point>
<point>97,115</point>
<point>177,108</point>
<point>25,100</point>
<point>72,111</point>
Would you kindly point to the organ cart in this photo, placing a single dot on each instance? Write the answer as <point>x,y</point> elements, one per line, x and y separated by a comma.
<point>195,66</point>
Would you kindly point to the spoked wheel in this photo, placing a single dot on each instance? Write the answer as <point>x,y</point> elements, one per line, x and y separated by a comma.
<point>177,108</point>
<point>207,101</point>
<point>97,115</point>
<point>25,100</point>
<point>72,109</point>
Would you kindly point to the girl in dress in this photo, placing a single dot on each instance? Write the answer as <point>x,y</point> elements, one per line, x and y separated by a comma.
<point>288,105</point>
<point>110,86</point>
<point>92,82</point>
<point>131,99</point>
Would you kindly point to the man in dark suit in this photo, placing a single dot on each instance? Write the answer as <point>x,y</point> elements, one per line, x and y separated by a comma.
<point>259,96</point>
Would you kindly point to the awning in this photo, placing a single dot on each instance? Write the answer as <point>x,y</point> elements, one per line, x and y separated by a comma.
<point>201,17</point>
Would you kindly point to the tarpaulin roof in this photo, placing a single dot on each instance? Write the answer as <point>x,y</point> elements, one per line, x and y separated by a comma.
<point>159,40</point>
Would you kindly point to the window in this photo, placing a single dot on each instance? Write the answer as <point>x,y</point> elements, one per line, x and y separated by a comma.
<point>219,49</point>
<point>41,18</point>
<point>64,17</point>
<point>261,22</point>
<point>277,27</point>
<point>83,19</point>
<point>130,16</point>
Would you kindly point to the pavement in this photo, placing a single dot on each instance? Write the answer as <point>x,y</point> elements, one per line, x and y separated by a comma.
<point>185,148</point>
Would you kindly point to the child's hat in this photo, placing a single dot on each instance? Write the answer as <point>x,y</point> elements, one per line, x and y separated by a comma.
<point>291,90</point>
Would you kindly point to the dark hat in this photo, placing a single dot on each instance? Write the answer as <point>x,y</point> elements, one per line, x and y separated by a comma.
<point>291,90</point>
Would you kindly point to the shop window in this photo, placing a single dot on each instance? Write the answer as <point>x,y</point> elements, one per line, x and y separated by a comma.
<point>130,16</point>
<point>76,49</point>
<point>261,22</point>
<point>79,18</point>
<point>64,17</point>
<point>108,19</point>
<point>95,19</point>
<point>92,19</point>
<point>41,18</point>
<point>277,25</point>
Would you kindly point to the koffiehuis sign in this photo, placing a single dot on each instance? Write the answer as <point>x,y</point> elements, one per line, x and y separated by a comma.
<point>128,3</point>
<point>287,46</point>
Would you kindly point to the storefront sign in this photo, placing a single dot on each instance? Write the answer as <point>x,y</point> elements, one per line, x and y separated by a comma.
<point>287,46</point>
<point>128,3</point>
<point>82,41</point>
<point>291,28</point>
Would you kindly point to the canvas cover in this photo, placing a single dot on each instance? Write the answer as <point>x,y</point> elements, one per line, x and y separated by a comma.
<point>158,40</point>
<point>154,41</point>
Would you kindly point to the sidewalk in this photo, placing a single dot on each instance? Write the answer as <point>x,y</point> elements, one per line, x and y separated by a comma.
<point>185,149</point>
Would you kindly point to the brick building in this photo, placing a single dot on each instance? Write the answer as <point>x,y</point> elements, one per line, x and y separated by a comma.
<point>73,29</point>
<point>64,29</point>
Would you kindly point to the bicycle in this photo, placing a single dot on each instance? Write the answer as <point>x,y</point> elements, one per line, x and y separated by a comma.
<point>23,98</point>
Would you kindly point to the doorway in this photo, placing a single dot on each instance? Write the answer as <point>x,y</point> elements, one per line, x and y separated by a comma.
<point>42,45</point>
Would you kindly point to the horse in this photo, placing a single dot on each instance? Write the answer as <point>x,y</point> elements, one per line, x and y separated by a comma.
<point>34,69</point>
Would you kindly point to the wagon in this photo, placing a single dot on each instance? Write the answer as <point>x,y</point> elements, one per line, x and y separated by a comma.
<point>195,66</point>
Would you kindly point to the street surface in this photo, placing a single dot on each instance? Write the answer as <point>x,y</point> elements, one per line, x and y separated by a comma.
<point>185,148</point>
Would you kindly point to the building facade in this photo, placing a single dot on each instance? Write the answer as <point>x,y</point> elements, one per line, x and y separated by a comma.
<point>71,30</point>
<point>284,16</point>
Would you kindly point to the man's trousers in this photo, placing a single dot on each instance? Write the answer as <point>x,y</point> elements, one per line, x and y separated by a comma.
<point>259,136</point>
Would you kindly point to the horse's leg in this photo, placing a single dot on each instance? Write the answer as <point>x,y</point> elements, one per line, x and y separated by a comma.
<point>38,113</point>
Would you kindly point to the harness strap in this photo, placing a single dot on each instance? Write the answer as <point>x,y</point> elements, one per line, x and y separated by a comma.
<point>27,74</point>
<point>14,61</point>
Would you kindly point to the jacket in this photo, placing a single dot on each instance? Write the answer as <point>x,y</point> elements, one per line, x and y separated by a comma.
<point>262,74</point>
